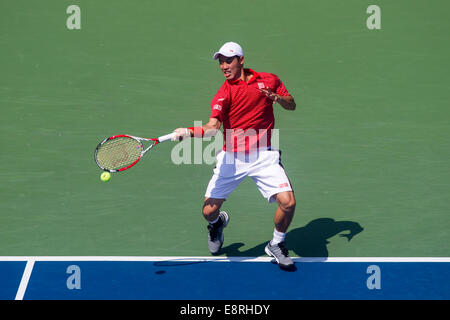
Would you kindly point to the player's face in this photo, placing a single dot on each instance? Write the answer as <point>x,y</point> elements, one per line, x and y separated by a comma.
<point>231,66</point>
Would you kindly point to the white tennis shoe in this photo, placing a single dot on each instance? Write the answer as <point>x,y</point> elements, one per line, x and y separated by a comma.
<point>215,235</point>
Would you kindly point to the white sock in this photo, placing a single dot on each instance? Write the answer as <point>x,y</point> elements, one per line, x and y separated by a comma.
<point>277,237</point>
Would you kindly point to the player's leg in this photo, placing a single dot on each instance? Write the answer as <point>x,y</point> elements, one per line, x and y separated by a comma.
<point>217,221</point>
<point>285,210</point>
<point>283,217</point>
<point>274,185</point>
<point>222,183</point>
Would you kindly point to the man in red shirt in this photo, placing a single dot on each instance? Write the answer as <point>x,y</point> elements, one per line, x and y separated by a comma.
<point>244,107</point>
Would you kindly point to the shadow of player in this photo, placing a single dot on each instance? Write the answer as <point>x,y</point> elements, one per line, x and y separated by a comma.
<point>308,241</point>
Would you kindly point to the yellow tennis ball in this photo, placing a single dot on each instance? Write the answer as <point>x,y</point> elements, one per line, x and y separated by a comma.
<point>105,176</point>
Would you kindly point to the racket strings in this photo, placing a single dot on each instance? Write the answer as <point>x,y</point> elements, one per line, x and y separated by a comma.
<point>119,153</point>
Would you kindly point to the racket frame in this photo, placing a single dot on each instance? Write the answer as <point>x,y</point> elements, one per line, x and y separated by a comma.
<point>138,139</point>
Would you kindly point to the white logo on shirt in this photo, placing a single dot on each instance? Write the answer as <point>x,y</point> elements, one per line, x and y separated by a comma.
<point>260,85</point>
<point>217,107</point>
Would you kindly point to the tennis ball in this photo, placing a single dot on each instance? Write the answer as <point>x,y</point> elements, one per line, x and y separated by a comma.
<point>105,176</point>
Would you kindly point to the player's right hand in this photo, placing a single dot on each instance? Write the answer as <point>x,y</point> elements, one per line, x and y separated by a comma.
<point>181,134</point>
<point>271,95</point>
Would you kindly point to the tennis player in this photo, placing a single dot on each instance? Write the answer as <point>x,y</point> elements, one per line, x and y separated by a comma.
<point>244,107</point>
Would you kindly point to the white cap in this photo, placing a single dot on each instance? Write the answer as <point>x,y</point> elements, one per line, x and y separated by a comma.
<point>229,49</point>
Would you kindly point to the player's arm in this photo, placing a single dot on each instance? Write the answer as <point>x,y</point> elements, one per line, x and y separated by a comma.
<point>287,102</point>
<point>207,130</point>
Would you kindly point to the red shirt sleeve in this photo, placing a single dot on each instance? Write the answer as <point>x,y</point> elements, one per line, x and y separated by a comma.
<point>220,103</point>
<point>281,89</point>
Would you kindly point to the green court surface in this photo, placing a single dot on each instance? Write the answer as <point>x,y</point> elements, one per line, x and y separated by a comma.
<point>368,146</point>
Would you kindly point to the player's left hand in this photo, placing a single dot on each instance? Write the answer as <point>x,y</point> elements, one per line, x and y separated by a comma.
<point>270,94</point>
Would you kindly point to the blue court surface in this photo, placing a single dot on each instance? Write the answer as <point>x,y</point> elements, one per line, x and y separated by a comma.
<point>222,278</point>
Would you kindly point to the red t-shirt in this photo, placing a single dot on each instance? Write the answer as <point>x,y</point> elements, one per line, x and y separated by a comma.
<point>245,112</point>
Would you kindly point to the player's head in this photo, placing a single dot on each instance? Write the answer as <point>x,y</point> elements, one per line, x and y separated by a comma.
<point>231,60</point>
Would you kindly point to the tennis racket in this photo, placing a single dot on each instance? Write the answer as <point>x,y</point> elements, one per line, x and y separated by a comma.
<point>121,152</point>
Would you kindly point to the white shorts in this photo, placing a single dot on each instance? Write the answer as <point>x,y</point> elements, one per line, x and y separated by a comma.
<point>264,167</point>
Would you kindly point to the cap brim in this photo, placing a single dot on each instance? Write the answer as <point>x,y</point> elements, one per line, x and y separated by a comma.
<point>217,54</point>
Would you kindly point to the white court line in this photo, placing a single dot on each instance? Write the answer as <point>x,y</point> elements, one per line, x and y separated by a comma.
<point>25,278</point>
<point>31,259</point>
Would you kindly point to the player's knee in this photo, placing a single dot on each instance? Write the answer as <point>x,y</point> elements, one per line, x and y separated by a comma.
<point>211,208</point>
<point>287,204</point>
<point>209,212</point>
<point>290,206</point>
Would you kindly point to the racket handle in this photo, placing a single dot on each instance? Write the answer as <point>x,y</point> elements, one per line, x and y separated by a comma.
<point>166,137</point>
